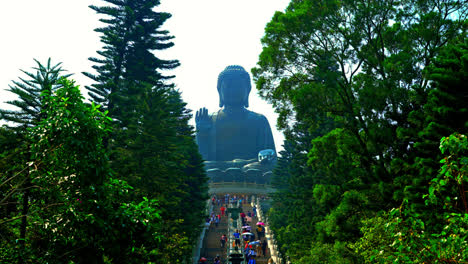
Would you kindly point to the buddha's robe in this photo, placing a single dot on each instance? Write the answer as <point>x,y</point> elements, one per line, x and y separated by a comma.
<point>235,135</point>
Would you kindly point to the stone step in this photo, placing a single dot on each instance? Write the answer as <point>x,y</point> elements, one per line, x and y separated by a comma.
<point>212,244</point>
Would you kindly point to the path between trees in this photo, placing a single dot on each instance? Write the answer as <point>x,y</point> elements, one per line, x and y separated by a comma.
<point>212,244</point>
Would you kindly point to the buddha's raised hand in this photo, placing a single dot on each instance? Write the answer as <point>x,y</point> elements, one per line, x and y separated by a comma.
<point>202,119</point>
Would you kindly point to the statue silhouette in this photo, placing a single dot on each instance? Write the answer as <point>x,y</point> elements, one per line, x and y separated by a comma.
<point>233,132</point>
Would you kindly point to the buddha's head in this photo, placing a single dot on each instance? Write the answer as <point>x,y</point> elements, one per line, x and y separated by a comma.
<point>234,87</point>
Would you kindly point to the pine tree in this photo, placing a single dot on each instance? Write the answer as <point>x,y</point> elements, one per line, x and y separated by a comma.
<point>30,100</point>
<point>130,37</point>
<point>446,110</point>
<point>152,146</point>
<point>444,113</point>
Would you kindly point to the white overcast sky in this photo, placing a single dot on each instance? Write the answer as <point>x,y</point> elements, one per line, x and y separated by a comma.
<point>209,35</point>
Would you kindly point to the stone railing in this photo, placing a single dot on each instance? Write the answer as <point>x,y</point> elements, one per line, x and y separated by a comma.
<point>198,246</point>
<point>240,187</point>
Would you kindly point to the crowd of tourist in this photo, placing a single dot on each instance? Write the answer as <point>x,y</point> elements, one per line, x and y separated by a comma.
<point>252,245</point>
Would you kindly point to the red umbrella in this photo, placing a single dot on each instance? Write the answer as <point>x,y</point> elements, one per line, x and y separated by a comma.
<point>203,259</point>
<point>261,223</point>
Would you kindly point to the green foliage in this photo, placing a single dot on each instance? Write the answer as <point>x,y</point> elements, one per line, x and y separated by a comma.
<point>117,181</point>
<point>328,253</point>
<point>131,35</point>
<point>30,101</point>
<point>443,113</point>
<point>151,146</point>
<point>403,236</point>
<point>76,212</point>
<point>433,230</point>
<point>452,176</point>
<point>375,244</point>
<point>74,129</point>
<point>355,78</point>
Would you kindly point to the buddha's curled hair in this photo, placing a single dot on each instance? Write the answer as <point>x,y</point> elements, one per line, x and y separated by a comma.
<point>234,71</point>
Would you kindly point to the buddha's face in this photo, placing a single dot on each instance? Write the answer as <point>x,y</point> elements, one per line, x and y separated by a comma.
<point>234,92</point>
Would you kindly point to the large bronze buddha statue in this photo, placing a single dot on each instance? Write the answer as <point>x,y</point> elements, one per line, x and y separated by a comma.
<point>233,132</point>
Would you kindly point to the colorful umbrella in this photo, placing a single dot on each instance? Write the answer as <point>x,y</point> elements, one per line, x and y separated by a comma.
<point>247,234</point>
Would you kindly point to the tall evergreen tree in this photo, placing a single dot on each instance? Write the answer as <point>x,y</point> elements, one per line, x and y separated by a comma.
<point>30,101</point>
<point>152,146</point>
<point>444,113</point>
<point>31,106</point>
<point>132,34</point>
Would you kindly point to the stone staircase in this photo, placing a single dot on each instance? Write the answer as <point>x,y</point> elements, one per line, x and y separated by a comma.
<point>211,246</point>
<point>260,259</point>
<point>211,243</point>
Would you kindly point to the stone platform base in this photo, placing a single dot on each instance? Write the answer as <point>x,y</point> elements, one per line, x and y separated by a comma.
<point>240,187</point>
